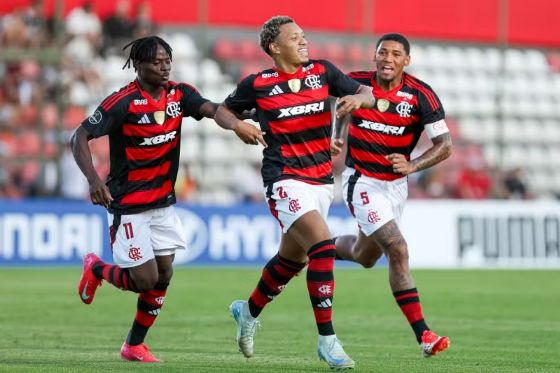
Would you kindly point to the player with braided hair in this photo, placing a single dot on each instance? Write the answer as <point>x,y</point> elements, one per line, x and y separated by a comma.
<point>143,122</point>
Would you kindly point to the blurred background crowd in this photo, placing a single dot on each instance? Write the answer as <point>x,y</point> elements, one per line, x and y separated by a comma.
<point>502,104</point>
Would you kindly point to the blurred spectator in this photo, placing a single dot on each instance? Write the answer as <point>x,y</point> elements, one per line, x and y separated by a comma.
<point>73,184</point>
<point>117,29</point>
<point>143,24</point>
<point>83,22</point>
<point>514,185</point>
<point>15,33</point>
<point>36,24</point>
<point>185,186</point>
<point>248,182</point>
<point>474,181</point>
<point>84,29</point>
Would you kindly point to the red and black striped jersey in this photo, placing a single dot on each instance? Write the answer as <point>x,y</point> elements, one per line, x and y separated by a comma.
<point>144,143</point>
<point>294,112</point>
<point>394,125</point>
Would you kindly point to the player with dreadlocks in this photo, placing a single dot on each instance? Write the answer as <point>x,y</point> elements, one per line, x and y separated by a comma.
<point>143,122</point>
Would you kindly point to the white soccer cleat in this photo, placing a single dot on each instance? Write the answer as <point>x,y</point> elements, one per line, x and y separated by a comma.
<point>246,326</point>
<point>330,350</point>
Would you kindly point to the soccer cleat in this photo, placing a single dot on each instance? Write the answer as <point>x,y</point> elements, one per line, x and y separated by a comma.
<point>140,353</point>
<point>432,344</point>
<point>330,350</point>
<point>88,282</point>
<point>246,326</point>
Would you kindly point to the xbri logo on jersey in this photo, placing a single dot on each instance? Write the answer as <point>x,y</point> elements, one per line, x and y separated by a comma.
<point>404,109</point>
<point>383,128</point>
<point>313,81</point>
<point>173,109</point>
<point>160,139</point>
<point>302,109</point>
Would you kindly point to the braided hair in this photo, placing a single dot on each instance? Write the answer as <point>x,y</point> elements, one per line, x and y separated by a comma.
<point>144,50</point>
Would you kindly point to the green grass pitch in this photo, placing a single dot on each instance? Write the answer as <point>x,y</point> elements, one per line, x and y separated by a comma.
<point>498,321</point>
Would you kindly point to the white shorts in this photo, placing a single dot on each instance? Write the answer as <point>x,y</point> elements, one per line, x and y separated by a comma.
<point>290,199</point>
<point>373,202</point>
<point>137,238</point>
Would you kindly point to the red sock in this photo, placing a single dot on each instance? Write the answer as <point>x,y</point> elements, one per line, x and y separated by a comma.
<point>148,308</point>
<point>275,276</point>
<point>115,275</point>
<point>409,302</point>
<point>320,284</point>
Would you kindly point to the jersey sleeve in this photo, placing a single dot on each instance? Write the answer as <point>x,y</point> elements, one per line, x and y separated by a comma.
<point>429,105</point>
<point>339,83</point>
<point>191,101</point>
<point>243,97</point>
<point>107,118</point>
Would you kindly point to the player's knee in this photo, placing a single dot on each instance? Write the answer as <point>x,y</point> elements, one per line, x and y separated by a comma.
<point>368,262</point>
<point>368,258</point>
<point>145,282</point>
<point>165,275</point>
<point>398,255</point>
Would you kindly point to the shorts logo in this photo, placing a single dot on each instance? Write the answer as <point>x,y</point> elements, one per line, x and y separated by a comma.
<point>325,289</point>
<point>294,205</point>
<point>373,217</point>
<point>95,118</point>
<point>134,253</point>
<point>313,81</point>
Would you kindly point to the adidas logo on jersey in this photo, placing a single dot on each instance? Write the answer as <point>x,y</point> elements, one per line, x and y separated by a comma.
<point>144,119</point>
<point>276,91</point>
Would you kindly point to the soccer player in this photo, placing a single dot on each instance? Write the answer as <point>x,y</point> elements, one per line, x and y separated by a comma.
<point>375,187</point>
<point>143,122</point>
<point>292,106</point>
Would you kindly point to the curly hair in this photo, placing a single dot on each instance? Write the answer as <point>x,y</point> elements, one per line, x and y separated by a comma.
<point>271,30</point>
<point>395,37</point>
<point>144,50</point>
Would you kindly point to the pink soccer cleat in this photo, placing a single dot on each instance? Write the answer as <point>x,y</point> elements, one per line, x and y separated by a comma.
<point>139,353</point>
<point>88,283</point>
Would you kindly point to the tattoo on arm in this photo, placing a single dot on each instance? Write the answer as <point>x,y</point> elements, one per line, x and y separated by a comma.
<point>440,151</point>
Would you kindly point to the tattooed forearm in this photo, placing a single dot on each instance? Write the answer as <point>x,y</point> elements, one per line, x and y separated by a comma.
<point>438,152</point>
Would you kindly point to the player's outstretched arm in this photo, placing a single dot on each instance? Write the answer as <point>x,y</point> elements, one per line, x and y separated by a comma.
<point>363,98</point>
<point>208,109</point>
<point>248,133</point>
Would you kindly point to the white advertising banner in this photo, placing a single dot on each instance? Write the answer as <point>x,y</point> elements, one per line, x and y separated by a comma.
<point>472,234</point>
